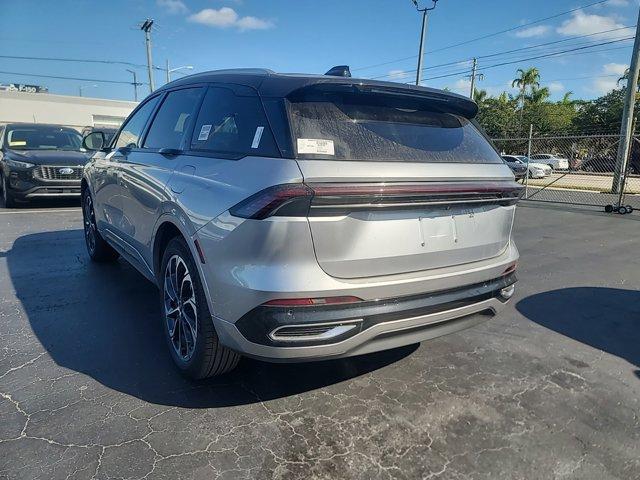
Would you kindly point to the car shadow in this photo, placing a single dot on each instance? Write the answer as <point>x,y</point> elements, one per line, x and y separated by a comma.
<point>605,318</point>
<point>103,320</point>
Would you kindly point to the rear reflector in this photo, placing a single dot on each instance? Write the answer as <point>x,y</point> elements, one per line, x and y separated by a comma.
<point>309,302</point>
<point>510,269</point>
<point>300,199</point>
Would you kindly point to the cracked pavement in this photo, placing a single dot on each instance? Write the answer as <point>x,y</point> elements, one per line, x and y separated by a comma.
<point>549,389</point>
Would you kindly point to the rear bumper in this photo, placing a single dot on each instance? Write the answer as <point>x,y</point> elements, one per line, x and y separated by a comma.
<point>377,325</point>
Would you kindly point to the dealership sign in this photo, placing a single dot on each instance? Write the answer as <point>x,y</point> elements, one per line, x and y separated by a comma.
<point>21,87</point>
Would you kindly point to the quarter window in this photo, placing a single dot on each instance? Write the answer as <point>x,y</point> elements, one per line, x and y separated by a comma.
<point>233,125</point>
<point>173,118</point>
<point>129,136</point>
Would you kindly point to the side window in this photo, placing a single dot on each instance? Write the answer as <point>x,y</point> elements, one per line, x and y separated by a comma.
<point>232,124</point>
<point>173,118</point>
<point>130,134</point>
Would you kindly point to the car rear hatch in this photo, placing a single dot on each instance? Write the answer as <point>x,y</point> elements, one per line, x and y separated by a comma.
<point>402,180</point>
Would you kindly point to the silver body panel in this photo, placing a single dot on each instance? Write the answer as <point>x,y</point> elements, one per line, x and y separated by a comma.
<point>367,254</point>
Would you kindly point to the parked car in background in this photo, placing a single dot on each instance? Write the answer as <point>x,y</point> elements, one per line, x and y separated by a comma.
<point>40,161</point>
<point>304,217</point>
<point>518,168</point>
<point>607,164</point>
<point>554,161</point>
<point>536,170</point>
<point>109,133</point>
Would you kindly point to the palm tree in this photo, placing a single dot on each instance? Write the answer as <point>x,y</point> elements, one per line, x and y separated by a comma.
<point>566,98</point>
<point>527,78</point>
<point>479,96</point>
<point>538,95</point>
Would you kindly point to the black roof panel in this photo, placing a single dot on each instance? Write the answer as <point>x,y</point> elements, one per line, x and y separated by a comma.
<point>271,84</point>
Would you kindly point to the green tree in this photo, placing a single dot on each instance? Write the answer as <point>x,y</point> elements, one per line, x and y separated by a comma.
<point>479,96</point>
<point>538,95</point>
<point>526,78</point>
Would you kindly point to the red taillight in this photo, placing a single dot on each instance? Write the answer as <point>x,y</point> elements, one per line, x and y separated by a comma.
<point>268,201</point>
<point>308,302</point>
<point>297,199</point>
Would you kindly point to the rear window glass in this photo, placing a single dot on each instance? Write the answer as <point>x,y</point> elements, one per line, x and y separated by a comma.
<point>232,125</point>
<point>360,127</point>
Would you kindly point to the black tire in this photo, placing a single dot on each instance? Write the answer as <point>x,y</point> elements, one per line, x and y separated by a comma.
<point>206,356</point>
<point>7,198</point>
<point>97,248</point>
<point>608,208</point>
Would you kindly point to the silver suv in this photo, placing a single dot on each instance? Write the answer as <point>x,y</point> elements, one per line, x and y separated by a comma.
<point>303,217</point>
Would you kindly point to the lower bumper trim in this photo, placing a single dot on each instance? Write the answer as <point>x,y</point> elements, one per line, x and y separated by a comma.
<point>381,336</point>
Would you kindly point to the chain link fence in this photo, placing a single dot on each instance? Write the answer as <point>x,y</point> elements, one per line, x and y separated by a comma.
<point>575,169</point>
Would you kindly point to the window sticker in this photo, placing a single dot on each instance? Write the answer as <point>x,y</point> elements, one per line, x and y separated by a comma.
<point>204,133</point>
<point>18,143</point>
<point>256,137</point>
<point>316,145</point>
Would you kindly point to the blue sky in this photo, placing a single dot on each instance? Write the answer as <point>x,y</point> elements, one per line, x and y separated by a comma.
<point>313,35</point>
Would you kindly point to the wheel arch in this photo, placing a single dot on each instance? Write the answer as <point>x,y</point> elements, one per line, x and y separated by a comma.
<point>168,227</point>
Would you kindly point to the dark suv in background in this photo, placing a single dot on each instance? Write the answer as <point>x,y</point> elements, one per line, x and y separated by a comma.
<point>40,161</point>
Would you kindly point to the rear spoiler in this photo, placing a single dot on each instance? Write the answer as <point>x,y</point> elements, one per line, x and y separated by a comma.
<point>436,99</point>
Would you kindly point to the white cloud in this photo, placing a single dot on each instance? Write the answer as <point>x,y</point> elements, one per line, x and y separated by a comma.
<point>537,31</point>
<point>615,68</point>
<point>461,86</point>
<point>227,17</point>
<point>253,23</point>
<point>618,3</point>
<point>397,74</point>
<point>555,87</point>
<point>605,84</point>
<point>173,6</point>
<point>582,23</point>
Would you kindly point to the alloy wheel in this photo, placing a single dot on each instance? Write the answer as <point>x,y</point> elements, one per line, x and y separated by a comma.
<point>180,308</point>
<point>90,228</point>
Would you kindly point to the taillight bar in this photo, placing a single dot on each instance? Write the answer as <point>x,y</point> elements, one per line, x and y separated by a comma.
<point>302,199</point>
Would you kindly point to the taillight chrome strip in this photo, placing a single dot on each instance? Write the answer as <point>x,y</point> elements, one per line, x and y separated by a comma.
<point>424,203</point>
<point>301,199</point>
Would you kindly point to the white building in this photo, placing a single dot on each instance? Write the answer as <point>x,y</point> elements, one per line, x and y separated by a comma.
<point>77,112</point>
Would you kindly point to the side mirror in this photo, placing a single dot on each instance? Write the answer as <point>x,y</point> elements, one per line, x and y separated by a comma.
<point>94,141</point>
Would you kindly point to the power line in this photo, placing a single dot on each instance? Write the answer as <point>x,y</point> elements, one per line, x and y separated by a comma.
<point>489,35</point>
<point>78,60</point>
<point>97,80</point>
<point>506,52</point>
<point>537,57</point>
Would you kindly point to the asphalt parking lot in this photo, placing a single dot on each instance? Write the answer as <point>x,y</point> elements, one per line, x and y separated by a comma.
<point>550,389</point>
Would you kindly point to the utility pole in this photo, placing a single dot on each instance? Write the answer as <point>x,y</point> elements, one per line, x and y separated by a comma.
<point>146,28</point>
<point>423,33</point>
<point>168,71</point>
<point>474,75</point>
<point>135,84</point>
<point>626,129</point>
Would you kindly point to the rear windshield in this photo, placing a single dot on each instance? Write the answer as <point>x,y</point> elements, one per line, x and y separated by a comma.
<point>368,128</point>
<point>43,138</point>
